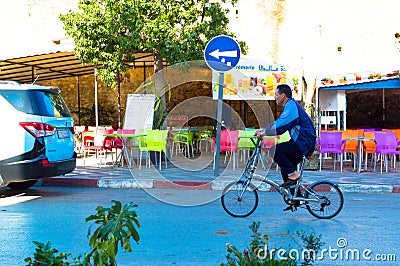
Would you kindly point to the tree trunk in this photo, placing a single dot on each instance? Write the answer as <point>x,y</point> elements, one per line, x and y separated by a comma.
<point>159,85</point>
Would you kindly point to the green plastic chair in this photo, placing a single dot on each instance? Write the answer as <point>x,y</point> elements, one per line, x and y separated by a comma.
<point>204,136</point>
<point>284,137</point>
<point>138,143</point>
<point>245,145</point>
<point>156,141</point>
<point>183,141</point>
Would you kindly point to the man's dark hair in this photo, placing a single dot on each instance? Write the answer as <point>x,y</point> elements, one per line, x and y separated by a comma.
<point>284,88</point>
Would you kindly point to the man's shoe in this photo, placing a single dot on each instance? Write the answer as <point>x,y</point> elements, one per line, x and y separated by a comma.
<point>289,182</point>
<point>292,180</point>
<point>295,176</point>
<point>288,208</point>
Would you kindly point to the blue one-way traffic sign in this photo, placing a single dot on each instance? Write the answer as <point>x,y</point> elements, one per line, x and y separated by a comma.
<point>222,53</point>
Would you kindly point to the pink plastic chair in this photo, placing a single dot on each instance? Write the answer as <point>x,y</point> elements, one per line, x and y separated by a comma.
<point>118,142</point>
<point>268,143</point>
<point>331,142</point>
<point>228,144</point>
<point>125,131</point>
<point>386,144</point>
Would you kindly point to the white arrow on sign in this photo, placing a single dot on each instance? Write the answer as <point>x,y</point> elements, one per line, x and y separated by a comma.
<point>217,53</point>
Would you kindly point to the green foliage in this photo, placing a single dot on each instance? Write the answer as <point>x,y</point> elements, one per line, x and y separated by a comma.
<point>259,253</point>
<point>46,255</point>
<point>310,242</point>
<point>108,33</point>
<point>115,227</point>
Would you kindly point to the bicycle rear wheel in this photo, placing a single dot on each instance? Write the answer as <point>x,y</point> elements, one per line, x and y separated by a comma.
<point>330,200</point>
<point>239,200</point>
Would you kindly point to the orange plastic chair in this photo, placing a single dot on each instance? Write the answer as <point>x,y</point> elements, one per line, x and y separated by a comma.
<point>351,145</point>
<point>369,146</point>
<point>397,132</point>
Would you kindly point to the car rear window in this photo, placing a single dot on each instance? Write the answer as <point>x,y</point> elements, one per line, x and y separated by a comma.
<point>36,102</point>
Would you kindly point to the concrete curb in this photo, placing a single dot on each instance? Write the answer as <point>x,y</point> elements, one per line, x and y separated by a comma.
<point>131,183</point>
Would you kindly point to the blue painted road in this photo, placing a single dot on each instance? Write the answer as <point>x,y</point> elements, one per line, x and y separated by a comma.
<point>173,235</point>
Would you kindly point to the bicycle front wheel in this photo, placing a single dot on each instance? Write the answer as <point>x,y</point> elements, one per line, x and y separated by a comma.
<point>330,200</point>
<point>239,199</point>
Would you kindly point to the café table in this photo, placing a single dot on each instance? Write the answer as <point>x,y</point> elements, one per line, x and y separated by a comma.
<point>360,140</point>
<point>125,140</point>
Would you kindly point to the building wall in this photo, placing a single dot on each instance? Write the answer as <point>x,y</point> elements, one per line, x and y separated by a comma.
<point>193,99</point>
<point>107,97</point>
<point>304,33</point>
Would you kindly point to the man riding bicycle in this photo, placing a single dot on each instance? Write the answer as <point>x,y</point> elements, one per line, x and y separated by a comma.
<point>302,132</point>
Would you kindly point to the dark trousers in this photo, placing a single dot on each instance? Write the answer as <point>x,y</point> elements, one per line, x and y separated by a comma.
<point>287,156</point>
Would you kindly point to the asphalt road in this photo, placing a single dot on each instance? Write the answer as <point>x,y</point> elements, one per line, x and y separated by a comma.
<point>176,235</point>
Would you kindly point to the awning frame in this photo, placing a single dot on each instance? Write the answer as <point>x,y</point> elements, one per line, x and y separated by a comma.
<point>57,65</point>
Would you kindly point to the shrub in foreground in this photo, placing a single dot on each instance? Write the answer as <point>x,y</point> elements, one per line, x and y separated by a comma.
<point>111,228</point>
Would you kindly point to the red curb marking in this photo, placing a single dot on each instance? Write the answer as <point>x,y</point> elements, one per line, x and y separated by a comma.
<point>273,189</point>
<point>396,189</point>
<point>189,185</point>
<point>69,182</point>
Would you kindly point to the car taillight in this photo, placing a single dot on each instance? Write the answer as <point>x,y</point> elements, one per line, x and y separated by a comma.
<point>38,130</point>
<point>45,163</point>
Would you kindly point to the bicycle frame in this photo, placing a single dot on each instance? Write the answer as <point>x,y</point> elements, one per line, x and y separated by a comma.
<point>283,191</point>
<point>322,199</point>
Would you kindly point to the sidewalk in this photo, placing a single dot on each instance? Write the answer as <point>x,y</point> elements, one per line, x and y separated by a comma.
<point>90,173</point>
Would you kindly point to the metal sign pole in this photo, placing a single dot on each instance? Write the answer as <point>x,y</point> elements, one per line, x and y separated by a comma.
<point>219,124</point>
<point>222,53</point>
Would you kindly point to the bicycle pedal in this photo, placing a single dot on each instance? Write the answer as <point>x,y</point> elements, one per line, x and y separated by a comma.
<point>291,208</point>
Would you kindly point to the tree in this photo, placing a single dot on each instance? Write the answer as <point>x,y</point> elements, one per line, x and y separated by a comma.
<point>108,33</point>
<point>111,32</point>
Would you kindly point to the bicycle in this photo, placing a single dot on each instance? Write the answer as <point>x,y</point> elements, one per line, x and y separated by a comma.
<point>323,199</point>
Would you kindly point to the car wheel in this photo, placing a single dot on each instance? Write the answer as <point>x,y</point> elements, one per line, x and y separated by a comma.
<point>22,185</point>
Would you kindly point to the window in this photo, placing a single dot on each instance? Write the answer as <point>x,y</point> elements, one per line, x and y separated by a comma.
<point>50,104</point>
<point>44,103</point>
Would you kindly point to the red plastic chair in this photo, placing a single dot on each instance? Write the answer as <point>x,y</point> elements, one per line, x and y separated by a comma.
<point>98,144</point>
<point>331,142</point>
<point>386,144</point>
